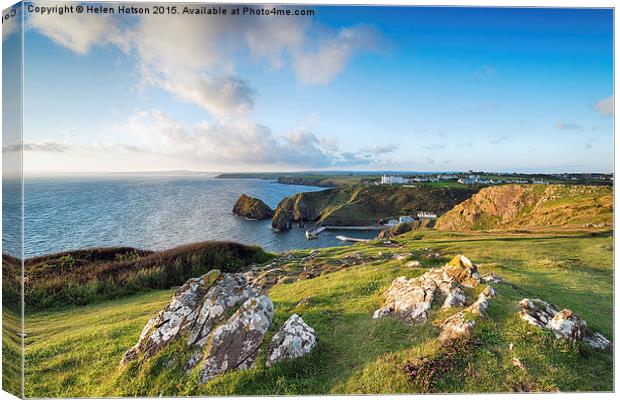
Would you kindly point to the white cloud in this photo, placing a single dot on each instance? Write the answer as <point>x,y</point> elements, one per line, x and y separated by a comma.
<point>606,106</point>
<point>78,32</point>
<point>320,66</point>
<point>377,150</point>
<point>222,96</point>
<point>233,142</point>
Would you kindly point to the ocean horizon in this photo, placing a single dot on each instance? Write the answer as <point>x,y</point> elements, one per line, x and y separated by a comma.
<point>149,212</point>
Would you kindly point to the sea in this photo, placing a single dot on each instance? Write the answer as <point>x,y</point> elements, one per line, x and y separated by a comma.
<point>146,212</point>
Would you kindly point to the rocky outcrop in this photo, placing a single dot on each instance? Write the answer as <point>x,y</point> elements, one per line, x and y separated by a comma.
<point>177,317</point>
<point>195,309</point>
<point>293,340</point>
<point>282,220</point>
<point>235,345</point>
<point>252,208</point>
<point>410,299</point>
<point>531,206</point>
<point>564,324</point>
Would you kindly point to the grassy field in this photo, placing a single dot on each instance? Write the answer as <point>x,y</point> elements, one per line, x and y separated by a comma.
<point>75,351</point>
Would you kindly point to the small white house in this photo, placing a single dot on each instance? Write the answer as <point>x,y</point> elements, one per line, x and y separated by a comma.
<point>405,219</point>
<point>426,215</point>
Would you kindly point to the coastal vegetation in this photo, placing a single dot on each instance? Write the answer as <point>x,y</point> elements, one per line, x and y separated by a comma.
<point>85,276</point>
<point>532,207</point>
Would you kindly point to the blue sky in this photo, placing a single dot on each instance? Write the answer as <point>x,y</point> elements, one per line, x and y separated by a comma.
<point>363,88</point>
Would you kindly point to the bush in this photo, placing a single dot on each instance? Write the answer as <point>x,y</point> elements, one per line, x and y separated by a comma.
<point>81,277</point>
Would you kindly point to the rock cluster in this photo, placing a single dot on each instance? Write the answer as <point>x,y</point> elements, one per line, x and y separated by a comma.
<point>293,340</point>
<point>410,299</point>
<point>564,324</point>
<point>199,310</point>
<point>252,208</point>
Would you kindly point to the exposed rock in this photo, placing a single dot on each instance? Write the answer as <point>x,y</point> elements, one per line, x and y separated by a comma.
<point>252,208</point>
<point>197,307</point>
<point>177,317</point>
<point>235,345</point>
<point>491,278</point>
<point>293,340</point>
<point>413,264</point>
<point>461,324</point>
<point>410,299</point>
<point>598,341</point>
<point>281,221</point>
<point>403,256</point>
<point>564,324</point>
<point>456,327</point>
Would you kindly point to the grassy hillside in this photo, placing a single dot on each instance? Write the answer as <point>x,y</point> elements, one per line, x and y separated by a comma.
<point>75,351</point>
<point>81,277</point>
<point>532,206</point>
<point>364,204</point>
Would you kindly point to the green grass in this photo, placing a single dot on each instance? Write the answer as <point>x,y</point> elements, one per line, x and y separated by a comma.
<point>75,351</point>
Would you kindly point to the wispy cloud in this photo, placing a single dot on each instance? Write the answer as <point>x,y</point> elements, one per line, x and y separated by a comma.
<point>567,126</point>
<point>605,106</point>
<point>49,146</point>
<point>434,146</point>
<point>499,140</point>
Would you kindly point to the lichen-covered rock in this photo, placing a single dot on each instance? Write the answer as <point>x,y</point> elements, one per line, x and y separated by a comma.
<point>456,327</point>
<point>564,324</point>
<point>461,324</point>
<point>235,345</point>
<point>461,269</point>
<point>293,340</point>
<point>230,291</point>
<point>410,299</point>
<point>597,341</point>
<point>176,317</point>
<point>252,208</point>
<point>196,308</point>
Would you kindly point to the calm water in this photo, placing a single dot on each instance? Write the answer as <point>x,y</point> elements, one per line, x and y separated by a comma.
<point>149,213</point>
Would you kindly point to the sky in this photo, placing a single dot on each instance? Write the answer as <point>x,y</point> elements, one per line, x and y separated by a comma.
<point>350,88</point>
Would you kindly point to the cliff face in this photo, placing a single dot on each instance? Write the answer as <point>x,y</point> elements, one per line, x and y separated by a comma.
<point>252,208</point>
<point>364,205</point>
<point>532,206</point>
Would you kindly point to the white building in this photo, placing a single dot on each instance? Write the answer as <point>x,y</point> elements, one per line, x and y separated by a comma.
<point>393,179</point>
<point>426,215</point>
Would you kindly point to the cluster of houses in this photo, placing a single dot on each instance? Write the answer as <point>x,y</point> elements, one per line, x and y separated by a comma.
<point>409,218</point>
<point>470,179</point>
<point>476,179</point>
<point>396,179</point>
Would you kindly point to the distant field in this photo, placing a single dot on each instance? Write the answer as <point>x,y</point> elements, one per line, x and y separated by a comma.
<point>75,351</point>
